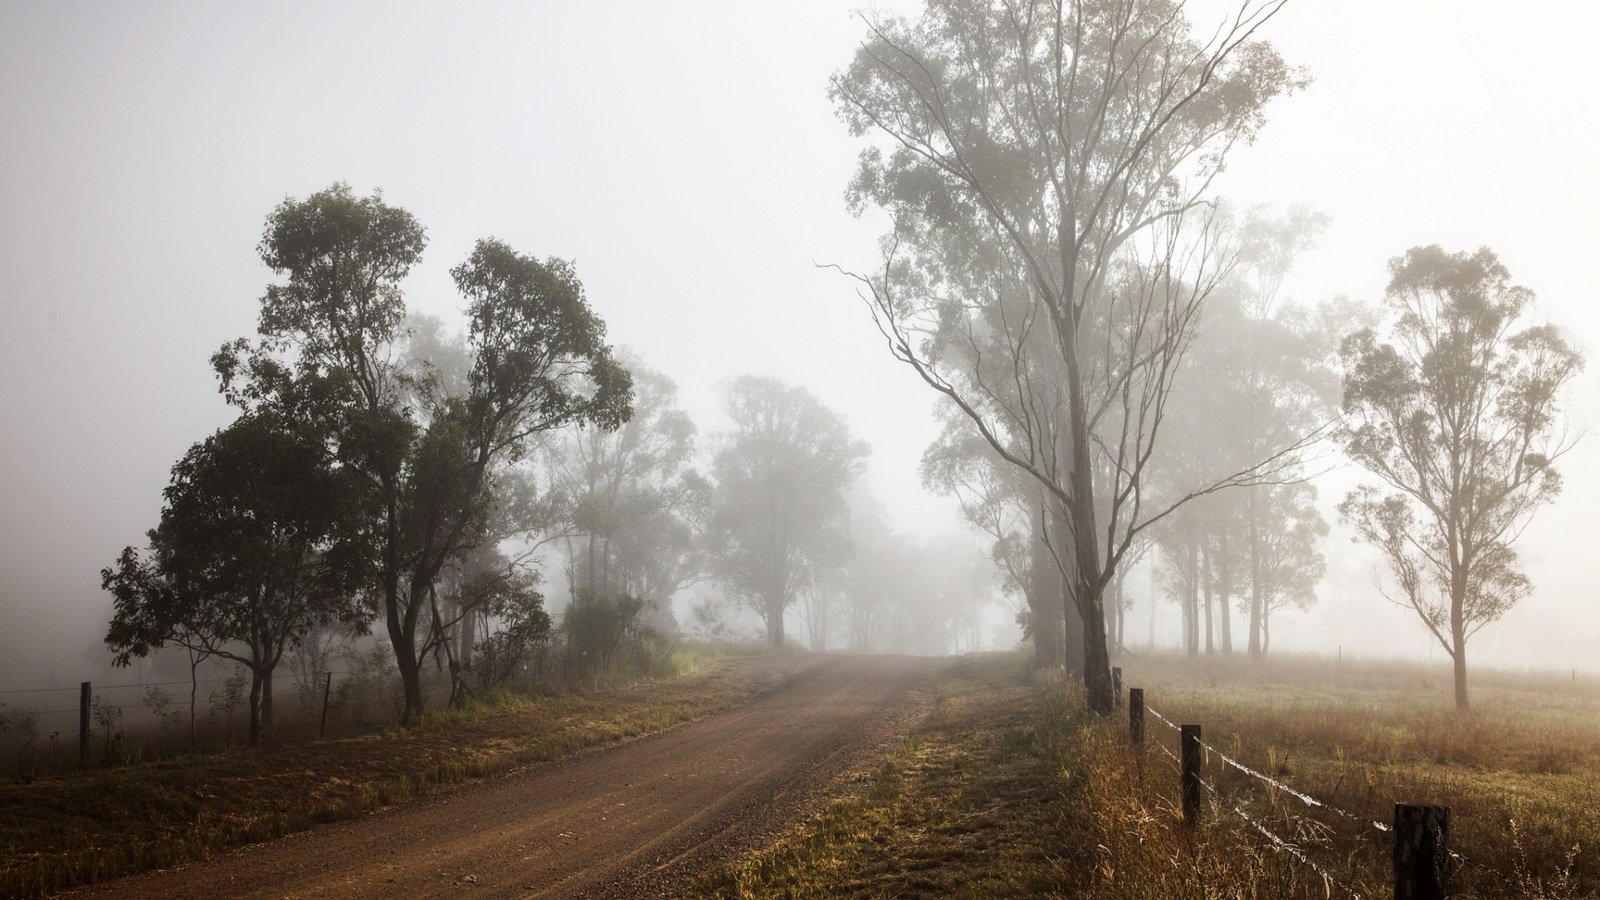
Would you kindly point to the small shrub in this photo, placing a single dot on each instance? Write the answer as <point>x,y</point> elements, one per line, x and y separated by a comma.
<point>23,737</point>
<point>226,699</point>
<point>159,702</point>
<point>106,715</point>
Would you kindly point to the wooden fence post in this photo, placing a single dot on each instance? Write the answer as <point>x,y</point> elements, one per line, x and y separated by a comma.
<point>1191,773</point>
<point>1136,716</point>
<point>84,698</point>
<point>1116,685</point>
<point>327,691</point>
<point>1421,852</point>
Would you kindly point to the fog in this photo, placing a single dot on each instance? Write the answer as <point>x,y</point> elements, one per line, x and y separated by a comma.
<point>687,158</point>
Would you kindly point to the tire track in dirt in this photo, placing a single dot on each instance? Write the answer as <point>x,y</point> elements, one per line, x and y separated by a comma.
<point>630,820</point>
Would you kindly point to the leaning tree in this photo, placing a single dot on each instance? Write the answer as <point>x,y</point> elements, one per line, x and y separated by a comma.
<point>1457,413</point>
<point>1054,158</point>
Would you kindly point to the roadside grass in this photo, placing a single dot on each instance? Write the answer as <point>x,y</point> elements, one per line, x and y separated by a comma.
<point>956,810</point>
<point>1010,789</point>
<point>66,830</point>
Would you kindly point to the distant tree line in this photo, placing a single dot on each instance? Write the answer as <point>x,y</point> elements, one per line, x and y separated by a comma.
<point>384,475</point>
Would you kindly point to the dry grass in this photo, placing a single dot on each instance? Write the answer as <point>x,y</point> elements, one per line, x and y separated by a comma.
<point>953,812</point>
<point>66,830</point>
<point>1521,772</point>
<point>1012,790</point>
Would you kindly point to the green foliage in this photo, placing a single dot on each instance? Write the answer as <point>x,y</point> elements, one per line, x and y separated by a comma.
<point>371,692</point>
<point>255,549</point>
<point>425,459</point>
<point>524,627</point>
<point>597,626</point>
<point>344,257</point>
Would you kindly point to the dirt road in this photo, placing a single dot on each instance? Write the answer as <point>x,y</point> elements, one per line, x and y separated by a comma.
<point>632,820</point>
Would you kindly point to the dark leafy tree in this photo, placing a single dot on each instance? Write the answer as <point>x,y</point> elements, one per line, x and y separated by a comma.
<point>511,598</point>
<point>598,626</point>
<point>253,553</point>
<point>328,356</point>
<point>1457,414</point>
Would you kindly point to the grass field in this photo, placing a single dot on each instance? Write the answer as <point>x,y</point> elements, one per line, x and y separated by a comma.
<point>1521,771</point>
<point>62,830</point>
<point>1011,790</point>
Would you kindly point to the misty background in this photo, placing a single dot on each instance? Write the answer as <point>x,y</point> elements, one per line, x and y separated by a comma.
<point>688,160</point>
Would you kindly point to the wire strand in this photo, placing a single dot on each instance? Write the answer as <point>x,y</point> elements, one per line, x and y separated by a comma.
<point>1282,844</point>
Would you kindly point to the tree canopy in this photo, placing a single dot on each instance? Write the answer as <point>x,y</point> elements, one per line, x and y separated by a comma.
<point>1457,414</point>
<point>1053,160</point>
<point>778,517</point>
<point>255,550</point>
<point>328,356</point>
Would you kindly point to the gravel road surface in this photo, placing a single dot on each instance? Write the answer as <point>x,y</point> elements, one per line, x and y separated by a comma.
<point>630,820</point>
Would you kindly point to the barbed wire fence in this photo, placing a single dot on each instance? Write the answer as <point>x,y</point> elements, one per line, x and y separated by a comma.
<point>44,729</point>
<point>1419,838</point>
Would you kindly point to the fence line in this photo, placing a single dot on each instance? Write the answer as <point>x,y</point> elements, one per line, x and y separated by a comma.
<point>147,684</point>
<point>38,690</point>
<point>1270,835</point>
<point>1307,799</point>
<point>1163,719</point>
<point>1293,850</point>
<point>1303,797</point>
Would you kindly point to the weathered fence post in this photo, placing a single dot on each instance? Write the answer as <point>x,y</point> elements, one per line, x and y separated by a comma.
<point>1421,852</point>
<point>1191,773</point>
<point>84,697</point>
<point>1136,716</point>
<point>327,691</point>
<point>1116,685</point>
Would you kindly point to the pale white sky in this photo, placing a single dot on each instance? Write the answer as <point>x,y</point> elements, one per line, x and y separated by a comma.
<point>686,156</point>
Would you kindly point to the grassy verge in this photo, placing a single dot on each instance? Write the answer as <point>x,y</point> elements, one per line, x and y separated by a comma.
<point>959,809</point>
<point>1011,790</point>
<point>61,831</point>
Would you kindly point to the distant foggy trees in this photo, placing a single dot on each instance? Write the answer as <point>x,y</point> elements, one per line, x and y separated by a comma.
<point>384,469</point>
<point>1006,505</point>
<point>632,500</point>
<point>901,594</point>
<point>778,522</point>
<point>1045,167</point>
<point>1259,378</point>
<point>1456,411</point>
